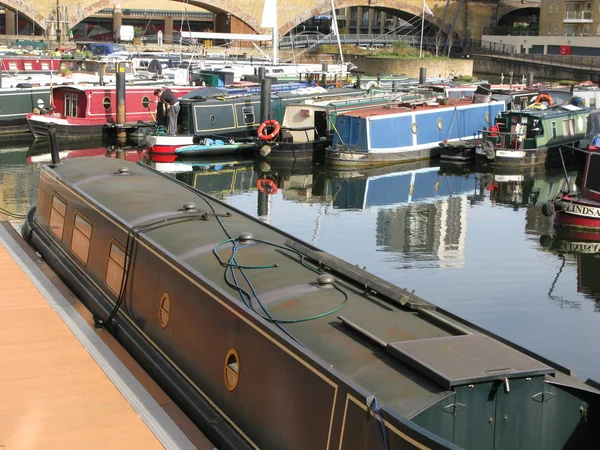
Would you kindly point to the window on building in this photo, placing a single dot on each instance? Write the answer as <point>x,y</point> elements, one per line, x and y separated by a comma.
<point>115,268</point>
<point>598,30</point>
<point>81,238</point>
<point>57,216</point>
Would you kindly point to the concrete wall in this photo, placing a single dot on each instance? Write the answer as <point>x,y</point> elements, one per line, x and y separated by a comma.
<point>410,67</point>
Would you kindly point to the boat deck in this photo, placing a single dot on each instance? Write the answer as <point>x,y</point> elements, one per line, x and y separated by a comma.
<point>389,110</point>
<point>62,386</point>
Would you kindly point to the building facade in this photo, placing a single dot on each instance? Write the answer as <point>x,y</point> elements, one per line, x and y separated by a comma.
<point>570,18</point>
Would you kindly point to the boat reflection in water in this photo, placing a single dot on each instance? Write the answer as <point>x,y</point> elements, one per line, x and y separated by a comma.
<point>39,150</point>
<point>583,249</point>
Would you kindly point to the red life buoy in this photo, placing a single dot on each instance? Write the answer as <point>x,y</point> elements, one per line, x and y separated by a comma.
<point>544,98</point>
<point>493,131</point>
<point>273,134</point>
<point>266,185</point>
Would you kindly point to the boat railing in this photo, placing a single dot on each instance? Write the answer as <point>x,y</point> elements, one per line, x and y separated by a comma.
<point>298,129</point>
<point>507,139</point>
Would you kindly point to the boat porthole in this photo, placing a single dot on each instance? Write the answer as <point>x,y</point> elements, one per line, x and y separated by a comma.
<point>414,128</point>
<point>165,309</point>
<point>212,119</point>
<point>106,103</point>
<point>487,117</point>
<point>145,102</point>
<point>232,369</point>
<point>440,123</point>
<point>580,123</point>
<point>40,103</point>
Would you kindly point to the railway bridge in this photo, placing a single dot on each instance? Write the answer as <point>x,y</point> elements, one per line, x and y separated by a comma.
<point>465,18</point>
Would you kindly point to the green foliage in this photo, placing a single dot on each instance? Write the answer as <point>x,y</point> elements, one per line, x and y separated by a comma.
<point>137,32</point>
<point>466,78</point>
<point>566,82</point>
<point>398,50</point>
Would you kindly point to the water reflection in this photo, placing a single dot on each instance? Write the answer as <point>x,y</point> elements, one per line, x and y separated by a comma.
<point>579,248</point>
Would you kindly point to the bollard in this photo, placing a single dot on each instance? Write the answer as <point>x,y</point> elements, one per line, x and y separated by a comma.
<point>422,75</point>
<point>262,206</point>
<point>121,106</point>
<point>529,79</point>
<point>53,144</point>
<point>261,73</point>
<point>265,99</point>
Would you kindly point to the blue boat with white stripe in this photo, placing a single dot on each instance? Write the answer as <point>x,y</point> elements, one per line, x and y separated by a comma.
<point>402,133</point>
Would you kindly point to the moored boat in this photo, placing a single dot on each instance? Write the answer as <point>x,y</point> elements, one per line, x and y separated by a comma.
<point>380,136</point>
<point>528,137</point>
<point>231,316</point>
<point>581,208</point>
<point>16,103</point>
<point>308,127</point>
<point>230,116</point>
<point>79,112</point>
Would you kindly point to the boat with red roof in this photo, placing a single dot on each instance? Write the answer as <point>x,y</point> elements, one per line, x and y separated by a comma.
<point>379,136</point>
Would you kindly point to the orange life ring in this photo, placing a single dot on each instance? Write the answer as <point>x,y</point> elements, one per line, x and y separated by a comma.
<point>493,131</point>
<point>544,98</point>
<point>265,184</point>
<point>264,125</point>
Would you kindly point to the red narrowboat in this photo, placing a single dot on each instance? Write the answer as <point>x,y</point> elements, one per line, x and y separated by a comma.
<point>79,112</point>
<point>29,64</point>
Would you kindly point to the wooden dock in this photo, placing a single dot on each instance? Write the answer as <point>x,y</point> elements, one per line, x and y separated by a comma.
<point>65,385</point>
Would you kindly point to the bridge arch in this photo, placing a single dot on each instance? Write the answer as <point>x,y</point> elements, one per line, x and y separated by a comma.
<point>24,9</point>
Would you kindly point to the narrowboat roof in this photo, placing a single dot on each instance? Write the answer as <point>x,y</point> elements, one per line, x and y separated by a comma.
<point>400,108</point>
<point>555,111</point>
<point>382,338</point>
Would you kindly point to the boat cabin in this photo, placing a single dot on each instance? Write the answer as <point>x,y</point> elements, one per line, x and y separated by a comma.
<point>536,129</point>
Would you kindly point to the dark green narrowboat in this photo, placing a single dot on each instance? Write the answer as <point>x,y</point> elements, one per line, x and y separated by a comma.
<point>267,342</point>
<point>528,137</point>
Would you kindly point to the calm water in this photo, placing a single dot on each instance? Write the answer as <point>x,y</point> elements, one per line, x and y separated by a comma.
<point>466,239</point>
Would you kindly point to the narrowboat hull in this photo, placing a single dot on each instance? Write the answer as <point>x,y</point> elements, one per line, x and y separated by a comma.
<point>507,157</point>
<point>312,358</point>
<point>348,159</point>
<point>66,127</point>
<point>577,212</point>
<point>313,151</point>
<point>16,104</point>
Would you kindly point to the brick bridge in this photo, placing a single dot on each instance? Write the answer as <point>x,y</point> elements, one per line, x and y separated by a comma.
<point>467,18</point>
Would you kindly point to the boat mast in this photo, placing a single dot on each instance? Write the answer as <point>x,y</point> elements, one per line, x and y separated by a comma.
<point>422,28</point>
<point>337,32</point>
<point>269,20</point>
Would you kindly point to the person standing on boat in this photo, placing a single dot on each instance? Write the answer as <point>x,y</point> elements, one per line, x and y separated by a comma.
<point>172,104</point>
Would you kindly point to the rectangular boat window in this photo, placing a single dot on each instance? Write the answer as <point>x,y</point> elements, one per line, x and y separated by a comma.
<point>45,66</point>
<point>569,127</point>
<point>115,268</point>
<point>28,66</point>
<point>12,66</point>
<point>71,105</point>
<point>57,216</point>
<point>81,238</point>
<point>554,131</point>
<point>248,112</point>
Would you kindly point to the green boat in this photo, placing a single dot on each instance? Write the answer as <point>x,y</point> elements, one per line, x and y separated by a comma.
<point>268,342</point>
<point>529,137</point>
